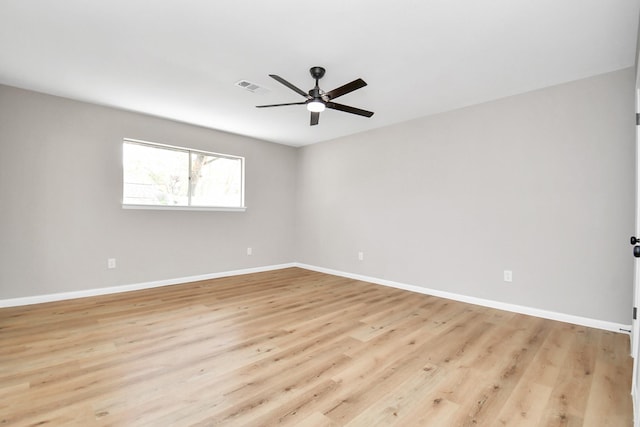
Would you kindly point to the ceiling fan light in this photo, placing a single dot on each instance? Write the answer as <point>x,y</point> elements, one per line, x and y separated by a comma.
<point>315,106</point>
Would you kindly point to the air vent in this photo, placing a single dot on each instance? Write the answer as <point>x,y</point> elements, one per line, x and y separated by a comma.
<point>251,87</point>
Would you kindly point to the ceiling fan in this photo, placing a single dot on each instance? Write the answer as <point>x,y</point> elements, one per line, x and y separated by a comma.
<point>318,100</point>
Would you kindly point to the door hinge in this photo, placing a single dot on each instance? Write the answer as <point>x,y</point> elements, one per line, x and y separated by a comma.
<point>635,313</point>
<point>637,119</point>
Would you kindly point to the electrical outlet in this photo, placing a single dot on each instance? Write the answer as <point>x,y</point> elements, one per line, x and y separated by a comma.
<point>508,276</point>
<point>360,256</point>
<point>111,263</point>
<point>249,251</point>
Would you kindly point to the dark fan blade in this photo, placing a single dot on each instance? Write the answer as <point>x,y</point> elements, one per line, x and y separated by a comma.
<point>314,118</point>
<point>348,109</point>
<point>280,105</point>
<point>349,87</point>
<point>289,85</point>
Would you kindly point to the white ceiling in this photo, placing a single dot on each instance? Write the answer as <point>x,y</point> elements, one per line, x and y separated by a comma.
<point>180,59</point>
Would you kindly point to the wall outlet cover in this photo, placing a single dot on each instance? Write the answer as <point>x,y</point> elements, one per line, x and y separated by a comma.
<point>508,276</point>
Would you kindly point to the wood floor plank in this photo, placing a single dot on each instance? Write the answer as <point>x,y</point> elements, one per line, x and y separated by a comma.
<point>603,408</point>
<point>394,404</point>
<point>295,347</point>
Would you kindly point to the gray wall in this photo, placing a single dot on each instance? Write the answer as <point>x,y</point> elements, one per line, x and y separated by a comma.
<point>541,184</point>
<point>60,211</point>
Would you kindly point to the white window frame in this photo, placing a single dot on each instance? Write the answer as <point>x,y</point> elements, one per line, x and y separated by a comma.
<point>189,207</point>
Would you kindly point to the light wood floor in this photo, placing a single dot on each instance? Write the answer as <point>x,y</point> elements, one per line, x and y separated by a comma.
<point>299,348</point>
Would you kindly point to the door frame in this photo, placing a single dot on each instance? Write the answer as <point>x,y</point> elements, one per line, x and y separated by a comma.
<point>635,327</point>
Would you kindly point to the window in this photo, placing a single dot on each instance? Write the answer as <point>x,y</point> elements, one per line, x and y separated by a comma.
<point>162,176</point>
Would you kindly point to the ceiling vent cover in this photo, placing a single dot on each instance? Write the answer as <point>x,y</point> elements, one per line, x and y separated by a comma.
<point>251,87</point>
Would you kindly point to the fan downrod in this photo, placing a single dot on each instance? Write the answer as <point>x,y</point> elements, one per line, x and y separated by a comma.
<point>317,72</point>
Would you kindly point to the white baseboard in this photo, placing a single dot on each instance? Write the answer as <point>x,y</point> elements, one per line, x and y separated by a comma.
<point>568,318</point>
<point>14,302</point>
<point>577,320</point>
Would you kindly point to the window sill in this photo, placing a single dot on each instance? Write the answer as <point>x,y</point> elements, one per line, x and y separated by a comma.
<point>185,208</point>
